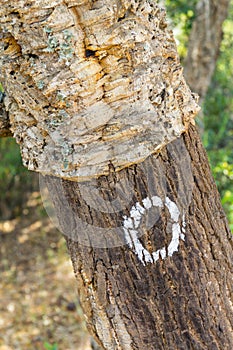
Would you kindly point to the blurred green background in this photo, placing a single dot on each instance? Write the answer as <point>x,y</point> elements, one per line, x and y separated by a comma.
<point>16,181</point>
<point>218,104</point>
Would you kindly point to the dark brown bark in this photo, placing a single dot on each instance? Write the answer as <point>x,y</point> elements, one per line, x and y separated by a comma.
<point>181,302</point>
<point>4,122</point>
<point>204,44</point>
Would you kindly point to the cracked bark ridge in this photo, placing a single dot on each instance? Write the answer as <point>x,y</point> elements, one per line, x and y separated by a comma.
<point>91,83</point>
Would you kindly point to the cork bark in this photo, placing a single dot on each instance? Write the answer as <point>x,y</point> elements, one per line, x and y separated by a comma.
<point>204,44</point>
<point>147,235</point>
<point>91,83</point>
<point>136,300</point>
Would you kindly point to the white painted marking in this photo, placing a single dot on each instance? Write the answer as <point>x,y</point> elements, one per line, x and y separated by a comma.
<point>163,253</point>
<point>142,253</point>
<point>128,222</point>
<point>174,244</point>
<point>157,202</point>
<point>147,203</point>
<point>128,238</point>
<point>156,255</point>
<point>173,209</point>
<point>132,223</point>
<point>182,236</point>
<point>140,208</point>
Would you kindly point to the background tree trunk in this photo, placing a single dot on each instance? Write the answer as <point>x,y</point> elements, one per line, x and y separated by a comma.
<point>131,298</point>
<point>204,44</point>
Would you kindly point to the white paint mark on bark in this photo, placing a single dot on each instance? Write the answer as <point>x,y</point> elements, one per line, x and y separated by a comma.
<point>173,209</point>
<point>147,203</point>
<point>132,224</point>
<point>163,253</point>
<point>174,244</point>
<point>183,228</point>
<point>143,254</point>
<point>157,202</point>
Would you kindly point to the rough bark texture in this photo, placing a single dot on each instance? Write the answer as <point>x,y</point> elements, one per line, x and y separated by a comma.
<point>91,83</point>
<point>150,245</point>
<point>204,44</point>
<point>4,121</point>
<point>137,301</point>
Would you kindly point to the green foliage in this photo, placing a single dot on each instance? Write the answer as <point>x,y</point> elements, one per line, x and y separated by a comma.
<point>48,346</point>
<point>218,105</point>
<point>10,161</point>
<point>218,111</point>
<point>15,180</point>
<point>180,8</point>
<point>181,14</point>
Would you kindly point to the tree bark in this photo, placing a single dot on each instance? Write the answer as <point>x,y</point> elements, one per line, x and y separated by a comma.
<point>204,44</point>
<point>133,298</point>
<point>147,236</point>
<point>90,83</point>
<point>4,121</point>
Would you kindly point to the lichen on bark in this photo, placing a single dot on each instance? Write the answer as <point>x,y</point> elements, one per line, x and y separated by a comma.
<point>91,83</point>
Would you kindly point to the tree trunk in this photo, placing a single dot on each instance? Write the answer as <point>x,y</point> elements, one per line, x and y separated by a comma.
<point>86,87</point>
<point>164,279</point>
<point>204,44</point>
<point>95,94</point>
